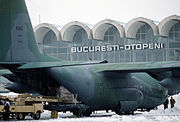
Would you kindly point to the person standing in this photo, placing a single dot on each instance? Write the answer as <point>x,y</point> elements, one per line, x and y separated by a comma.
<point>166,104</point>
<point>6,108</point>
<point>172,102</point>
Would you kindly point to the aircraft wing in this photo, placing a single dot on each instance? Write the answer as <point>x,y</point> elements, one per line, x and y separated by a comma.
<point>103,66</point>
<point>137,67</point>
<point>40,65</point>
<point>157,70</point>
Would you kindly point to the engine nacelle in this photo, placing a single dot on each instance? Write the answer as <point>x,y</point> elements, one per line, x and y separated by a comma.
<point>172,84</point>
<point>131,99</point>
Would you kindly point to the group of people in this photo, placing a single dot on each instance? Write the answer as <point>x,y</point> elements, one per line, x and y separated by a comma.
<point>172,102</point>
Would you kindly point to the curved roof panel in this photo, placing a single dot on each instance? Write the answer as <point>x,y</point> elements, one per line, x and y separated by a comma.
<point>166,24</point>
<point>132,26</point>
<point>69,30</point>
<point>101,27</point>
<point>41,30</point>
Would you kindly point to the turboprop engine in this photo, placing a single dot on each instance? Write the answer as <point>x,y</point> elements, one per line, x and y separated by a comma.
<point>172,84</point>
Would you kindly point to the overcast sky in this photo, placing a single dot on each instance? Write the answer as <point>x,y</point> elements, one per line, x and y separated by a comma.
<point>61,12</point>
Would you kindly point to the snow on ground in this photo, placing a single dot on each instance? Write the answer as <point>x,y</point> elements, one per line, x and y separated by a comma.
<point>169,115</point>
<point>9,94</point>
<point>160,115</point>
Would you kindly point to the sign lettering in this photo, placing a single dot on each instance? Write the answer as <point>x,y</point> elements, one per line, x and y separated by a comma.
<point>109,48</point>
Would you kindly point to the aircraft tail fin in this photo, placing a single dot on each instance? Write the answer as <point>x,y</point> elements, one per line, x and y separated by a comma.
<point>17,39</point>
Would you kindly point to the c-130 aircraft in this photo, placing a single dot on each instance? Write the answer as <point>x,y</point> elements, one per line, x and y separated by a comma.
<point>123,88</point>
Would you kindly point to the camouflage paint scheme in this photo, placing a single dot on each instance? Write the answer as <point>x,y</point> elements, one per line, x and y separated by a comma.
<point>100,85</point>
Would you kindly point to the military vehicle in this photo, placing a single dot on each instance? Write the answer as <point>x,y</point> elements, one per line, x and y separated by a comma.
<point>22,106</point>
<point>100,85</point>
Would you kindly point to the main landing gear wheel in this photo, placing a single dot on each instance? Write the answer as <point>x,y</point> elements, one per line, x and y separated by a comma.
<point>87,113</point>
<point>118,108</point>
<point>129,113</point>
<point>82,113</point>
<point>125,113</point>
<point>77,113</point>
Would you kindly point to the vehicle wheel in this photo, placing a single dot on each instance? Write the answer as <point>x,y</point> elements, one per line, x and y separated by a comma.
<point>20,116</point>
<point>37,115</point>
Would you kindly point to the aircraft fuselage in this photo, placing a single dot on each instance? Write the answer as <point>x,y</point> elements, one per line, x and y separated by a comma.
<point>109,90</point>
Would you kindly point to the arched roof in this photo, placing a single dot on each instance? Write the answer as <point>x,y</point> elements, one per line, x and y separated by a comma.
<point>41,30</point>
<point>69,30</point>
<point>166,24</point>
<point>132,26</point>
<point>101,27</point>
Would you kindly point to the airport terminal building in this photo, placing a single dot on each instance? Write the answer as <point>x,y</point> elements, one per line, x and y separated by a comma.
<point>139,40</point>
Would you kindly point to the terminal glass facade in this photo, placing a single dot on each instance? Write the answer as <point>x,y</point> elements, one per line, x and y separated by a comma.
<point>174,43</point>
<point>62,48</point>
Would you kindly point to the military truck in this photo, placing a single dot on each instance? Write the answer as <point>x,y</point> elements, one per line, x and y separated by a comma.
<point>24,105</point>
<point>20,111</point>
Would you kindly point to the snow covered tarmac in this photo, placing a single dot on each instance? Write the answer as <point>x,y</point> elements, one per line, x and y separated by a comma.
<point>169,115</point>
<point>160,115</point>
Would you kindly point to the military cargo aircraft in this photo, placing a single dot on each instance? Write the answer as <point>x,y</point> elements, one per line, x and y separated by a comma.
<point>100,85</point>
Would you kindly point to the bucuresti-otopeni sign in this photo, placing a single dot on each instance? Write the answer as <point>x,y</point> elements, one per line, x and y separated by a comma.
<point>107,48</point>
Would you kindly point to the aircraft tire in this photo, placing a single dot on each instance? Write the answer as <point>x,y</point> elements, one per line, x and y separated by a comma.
<point>82,114</point>
<point>129,113</point>
<point>118,112</point>
<point>77,113</point>
<point>87,113</point>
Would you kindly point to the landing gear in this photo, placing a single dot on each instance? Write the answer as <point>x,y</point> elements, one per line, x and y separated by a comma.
<point>87,113</point>
<point>125,113</point>
<point>82,110</point>
<point>118,108</point>
<point>129,113</point>
<point>118,112</point>
<point>77,113</point>
<point>80,113</point>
